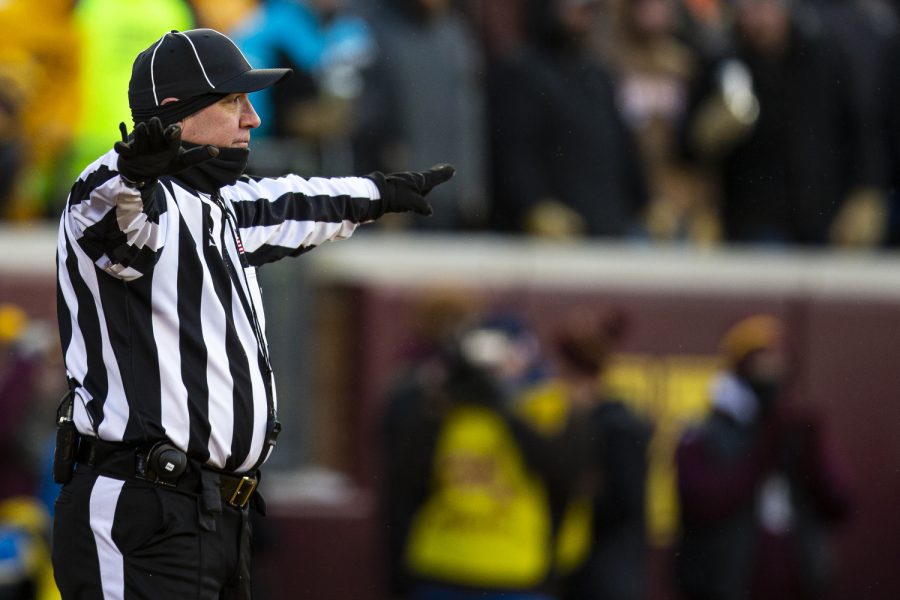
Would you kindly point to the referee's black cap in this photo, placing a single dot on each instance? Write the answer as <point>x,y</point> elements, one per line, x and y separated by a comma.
<point>192,65</point>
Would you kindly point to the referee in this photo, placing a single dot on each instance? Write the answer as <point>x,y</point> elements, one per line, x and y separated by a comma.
<point>172,409</point>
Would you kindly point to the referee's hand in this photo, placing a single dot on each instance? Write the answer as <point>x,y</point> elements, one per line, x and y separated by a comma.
<point>406,191</point>
<point>152,151</point>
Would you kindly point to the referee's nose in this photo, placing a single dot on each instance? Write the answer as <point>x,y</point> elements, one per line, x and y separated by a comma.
<point>249,118</point>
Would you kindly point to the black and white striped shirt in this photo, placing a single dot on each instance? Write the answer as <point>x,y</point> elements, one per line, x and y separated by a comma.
<point>160,315</point>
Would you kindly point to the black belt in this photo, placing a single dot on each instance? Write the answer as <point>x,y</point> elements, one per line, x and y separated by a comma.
<point>132,461</point>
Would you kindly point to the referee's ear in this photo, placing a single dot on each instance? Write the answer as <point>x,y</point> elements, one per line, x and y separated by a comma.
<point>169,101</point>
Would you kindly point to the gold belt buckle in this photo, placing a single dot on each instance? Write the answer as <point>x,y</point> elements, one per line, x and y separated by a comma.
<point>241,495</point>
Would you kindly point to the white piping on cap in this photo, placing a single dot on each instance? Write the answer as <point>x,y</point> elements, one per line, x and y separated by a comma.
<point>152,60</point>
<point>200,62</point>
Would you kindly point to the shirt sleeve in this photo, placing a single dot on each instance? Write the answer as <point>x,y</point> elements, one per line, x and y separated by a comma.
<point>119,227</point>
<point>289,215</point>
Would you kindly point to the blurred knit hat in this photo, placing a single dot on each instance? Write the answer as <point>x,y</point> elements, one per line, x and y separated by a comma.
<point>758,332</point>
<point>198,67</point>
<point>25,512</point>
<point>440,312</point>
<point>13,322</point>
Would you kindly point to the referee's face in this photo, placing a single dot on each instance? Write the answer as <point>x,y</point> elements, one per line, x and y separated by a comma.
<point>225,124</point>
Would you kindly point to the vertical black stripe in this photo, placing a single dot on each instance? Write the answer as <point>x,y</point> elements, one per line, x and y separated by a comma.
<point>224,278</point>
<point>63,315</point>
<point>242,399</point>
<point>96,381</point>
<point>138,357</point>
<point>190,339</point>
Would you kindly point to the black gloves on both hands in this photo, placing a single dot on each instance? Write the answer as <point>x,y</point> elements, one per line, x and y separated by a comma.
<point>406,191</point>
<point>153,151</point>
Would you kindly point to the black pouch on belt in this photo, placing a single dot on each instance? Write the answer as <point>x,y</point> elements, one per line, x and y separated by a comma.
<point>66,440</point>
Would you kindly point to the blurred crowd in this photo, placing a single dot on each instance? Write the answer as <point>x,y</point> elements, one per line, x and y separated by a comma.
<point>512,467</point>
<point>696,121</point>
<point>515,469</point>
<point>30,386</point>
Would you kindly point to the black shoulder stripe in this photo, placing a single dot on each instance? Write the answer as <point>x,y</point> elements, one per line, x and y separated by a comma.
<point>81,189</point>
<point>153,198</point>
<point>101,236</point>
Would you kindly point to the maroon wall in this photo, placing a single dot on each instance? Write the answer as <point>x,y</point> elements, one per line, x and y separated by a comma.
<point>36,294</point>
<point>852,351</point>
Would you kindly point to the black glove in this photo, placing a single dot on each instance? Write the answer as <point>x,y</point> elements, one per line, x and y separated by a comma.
<point>406,191</point>
<point>152,152</point>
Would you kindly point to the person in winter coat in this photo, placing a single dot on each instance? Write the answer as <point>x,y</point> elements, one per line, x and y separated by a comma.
<point>565,163</point>
<point>758,486</point>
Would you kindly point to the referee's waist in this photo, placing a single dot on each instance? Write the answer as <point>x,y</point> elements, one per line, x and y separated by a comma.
<point>132,461</point>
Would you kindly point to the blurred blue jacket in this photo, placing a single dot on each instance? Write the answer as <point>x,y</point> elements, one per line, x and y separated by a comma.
<point>310,41</point>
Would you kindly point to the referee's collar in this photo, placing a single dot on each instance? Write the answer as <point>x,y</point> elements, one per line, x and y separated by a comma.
<point>215,173</point>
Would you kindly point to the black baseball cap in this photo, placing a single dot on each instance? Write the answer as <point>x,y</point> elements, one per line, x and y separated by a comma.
<point>197,67</point>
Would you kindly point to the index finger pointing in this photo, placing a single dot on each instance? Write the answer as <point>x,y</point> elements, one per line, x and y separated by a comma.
<point>438,174</point>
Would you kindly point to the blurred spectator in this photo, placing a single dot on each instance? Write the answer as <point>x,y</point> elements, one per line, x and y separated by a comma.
<point>782,120</point>
<point>890,84</point>
<point>423,100</point>
<point>863,28</point>
<point>111,33</point>
<point>564,161</point>
<point>24,345</point>
<point>653,71</point>
<point>223,15</point>
<point>408,427</point>
<point>498,22</point>
<point>26,393</point>
<point>609,504</point>
<point>867,30</point>
<point>705,25</point>
<point>14,90</point>
<point>39,76</point>
<point>25,569</point>
<point>758,485</point>
<point>327,47</point>
<point>469,484</point>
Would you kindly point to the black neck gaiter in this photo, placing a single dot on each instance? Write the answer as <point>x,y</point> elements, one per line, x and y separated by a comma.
<point>212,174</point>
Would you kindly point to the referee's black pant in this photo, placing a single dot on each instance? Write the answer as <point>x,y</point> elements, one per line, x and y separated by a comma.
<point>124,538</point>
